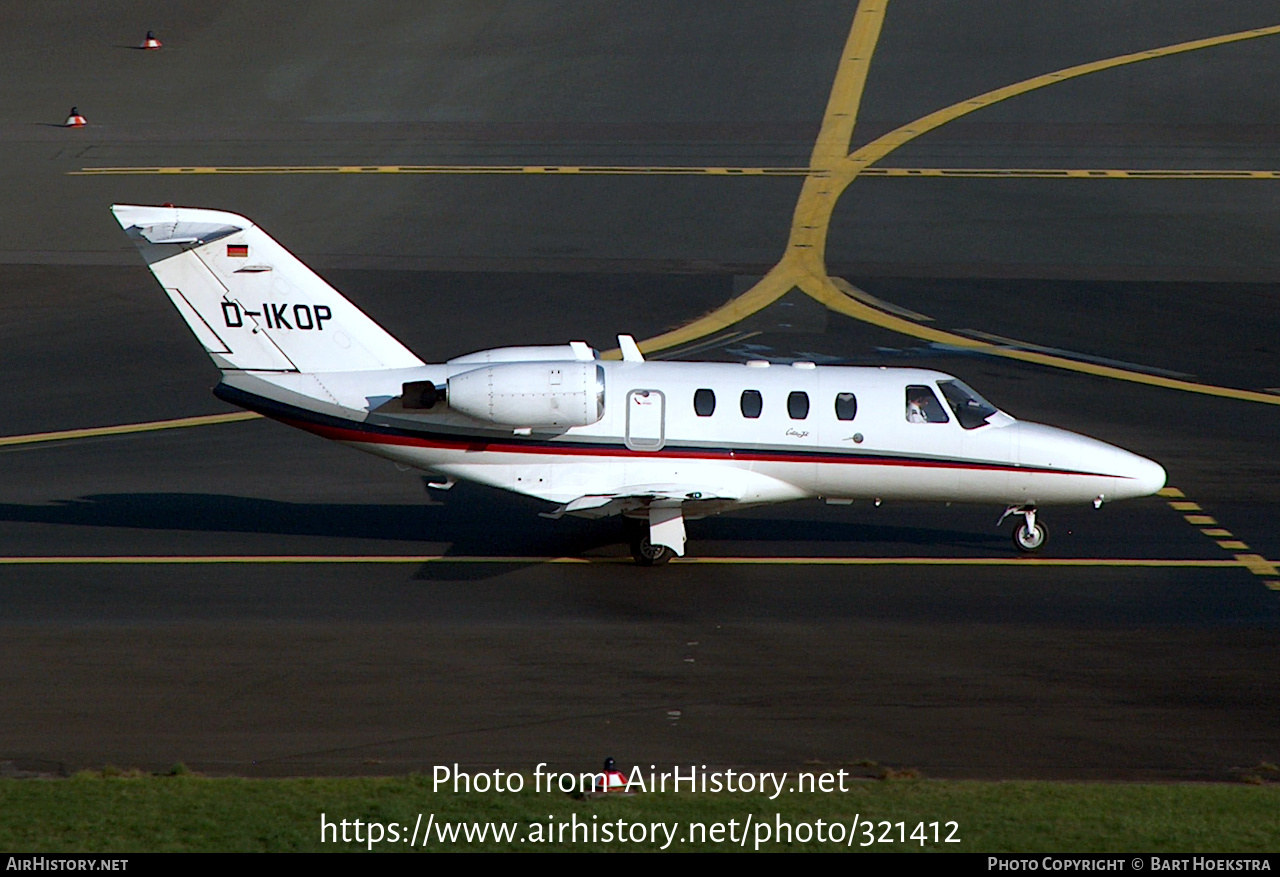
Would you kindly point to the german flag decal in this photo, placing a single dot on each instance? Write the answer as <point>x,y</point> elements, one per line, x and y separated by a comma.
<point>237,251</point>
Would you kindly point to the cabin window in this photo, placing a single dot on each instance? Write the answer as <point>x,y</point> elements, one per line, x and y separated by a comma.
<point>798,405</point>
<point>846,406</point>
<point>704,403</point>
<point>752,403</point>
<point>971,409</point>
<point>923,406</point>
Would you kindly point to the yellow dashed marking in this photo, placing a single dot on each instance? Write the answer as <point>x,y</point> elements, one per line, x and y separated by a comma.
<point>1255,563</point>
<point>151,426</point>
<point>681,170</point>
<point>691,170</point>
<point>1258,565</point>
<point>453,169</point>
<point>1072,173</point>
<point>1170,492</point>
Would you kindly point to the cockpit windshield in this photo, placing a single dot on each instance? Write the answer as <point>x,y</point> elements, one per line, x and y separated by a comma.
<point>971,409</point>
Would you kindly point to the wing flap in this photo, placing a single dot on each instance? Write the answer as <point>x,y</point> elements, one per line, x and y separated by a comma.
<point>626,499</point>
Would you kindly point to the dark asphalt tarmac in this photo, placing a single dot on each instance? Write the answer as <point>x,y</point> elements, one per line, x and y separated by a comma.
<point>991,671</point>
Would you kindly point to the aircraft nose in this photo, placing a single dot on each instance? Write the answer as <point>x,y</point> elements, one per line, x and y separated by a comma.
<point>1139,477</point>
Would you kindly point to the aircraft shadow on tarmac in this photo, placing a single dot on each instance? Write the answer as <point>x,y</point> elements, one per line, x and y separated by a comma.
<point>477,522</point>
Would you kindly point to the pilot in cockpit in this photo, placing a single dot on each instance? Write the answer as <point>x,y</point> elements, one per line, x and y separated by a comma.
<point>915,409</point>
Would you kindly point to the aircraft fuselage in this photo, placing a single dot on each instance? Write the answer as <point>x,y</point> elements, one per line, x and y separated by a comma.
<point>766,433</point>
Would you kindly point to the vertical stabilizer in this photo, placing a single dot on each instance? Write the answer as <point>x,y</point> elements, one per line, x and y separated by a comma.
<point>249,301</point>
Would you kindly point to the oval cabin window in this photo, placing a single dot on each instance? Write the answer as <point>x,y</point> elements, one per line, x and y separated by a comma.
<point>846,406</point>
<point>704,403</point>
<point>798,405</point>
<point>752,403</point>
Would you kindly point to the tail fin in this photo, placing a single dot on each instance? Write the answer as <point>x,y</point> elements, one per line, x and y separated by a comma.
<point>249,301</point>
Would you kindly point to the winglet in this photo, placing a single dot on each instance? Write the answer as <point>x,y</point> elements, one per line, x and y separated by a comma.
<point>630,350</point>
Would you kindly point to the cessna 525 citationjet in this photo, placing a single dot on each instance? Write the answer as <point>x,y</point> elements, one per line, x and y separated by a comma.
<point>658,442</point>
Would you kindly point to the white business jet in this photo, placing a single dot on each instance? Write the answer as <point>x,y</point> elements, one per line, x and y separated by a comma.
<point>658,442</point>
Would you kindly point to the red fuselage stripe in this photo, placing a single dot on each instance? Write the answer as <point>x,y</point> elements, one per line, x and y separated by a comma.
<point>568,449</point>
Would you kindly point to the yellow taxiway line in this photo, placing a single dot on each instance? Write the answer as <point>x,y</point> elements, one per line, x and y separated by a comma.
<point>830,172</point>
<point>215,559</point>
<point>817,195</point>
<point>819,285</point>
<point>828,294</point>
<point>803,265</point>
<point>125,429</point>
<point>882,146</point>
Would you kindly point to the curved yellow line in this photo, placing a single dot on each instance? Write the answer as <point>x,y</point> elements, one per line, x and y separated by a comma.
<point>826,292</point>
<point>828,152</point>
<point>882,146</point>
<point>769,289</point>
<point>803,265</point>
<point>846,171</point>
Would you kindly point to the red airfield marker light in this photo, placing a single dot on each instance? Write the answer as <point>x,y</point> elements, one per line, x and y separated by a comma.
<point>74,119</point>
<point>151,42</point>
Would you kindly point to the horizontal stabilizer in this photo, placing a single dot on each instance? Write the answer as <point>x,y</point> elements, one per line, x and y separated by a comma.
<point>186,232</point>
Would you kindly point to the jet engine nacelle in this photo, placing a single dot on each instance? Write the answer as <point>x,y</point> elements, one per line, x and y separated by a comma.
<point>531,394</point>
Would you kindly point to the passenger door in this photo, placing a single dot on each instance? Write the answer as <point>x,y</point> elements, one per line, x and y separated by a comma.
<point>646,420</point>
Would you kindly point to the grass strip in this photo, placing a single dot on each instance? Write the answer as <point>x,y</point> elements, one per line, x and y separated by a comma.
<point>123,814</point>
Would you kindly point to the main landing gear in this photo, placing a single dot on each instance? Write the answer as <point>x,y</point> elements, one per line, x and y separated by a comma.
<point>1029,536</point>
<point>645,552</point>
<point>659,535</point>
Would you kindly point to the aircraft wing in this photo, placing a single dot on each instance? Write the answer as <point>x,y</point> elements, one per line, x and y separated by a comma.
<point>630,498</point>
<point>666,506</point>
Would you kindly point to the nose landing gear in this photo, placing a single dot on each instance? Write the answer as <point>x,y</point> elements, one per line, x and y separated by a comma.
<point>1029,536</point>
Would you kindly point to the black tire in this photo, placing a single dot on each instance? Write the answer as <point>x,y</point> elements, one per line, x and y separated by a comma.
<point>648,554</point>
<point>1030,541</point>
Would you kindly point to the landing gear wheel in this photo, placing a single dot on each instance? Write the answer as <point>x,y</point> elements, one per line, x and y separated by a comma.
<point>1030,539</point>
<point>648,554</point>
